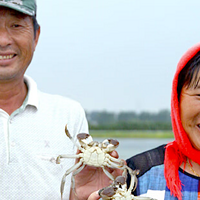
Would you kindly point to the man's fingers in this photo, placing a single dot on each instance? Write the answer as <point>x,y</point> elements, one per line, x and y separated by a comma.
<point>94,196</point>
<point>114,154</point>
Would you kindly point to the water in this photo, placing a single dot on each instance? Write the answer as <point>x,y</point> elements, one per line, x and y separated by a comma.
<point>132,146</point>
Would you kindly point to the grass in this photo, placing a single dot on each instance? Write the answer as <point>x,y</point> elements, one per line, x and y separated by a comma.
<point>131,134</point>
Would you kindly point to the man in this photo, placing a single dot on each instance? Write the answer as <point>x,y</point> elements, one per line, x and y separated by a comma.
<point>32,122</point>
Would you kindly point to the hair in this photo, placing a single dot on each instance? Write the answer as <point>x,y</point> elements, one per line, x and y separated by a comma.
<point>189,75</point>
<point>35,25</point>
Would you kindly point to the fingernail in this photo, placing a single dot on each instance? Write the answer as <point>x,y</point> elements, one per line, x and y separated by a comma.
<point>97,192</point>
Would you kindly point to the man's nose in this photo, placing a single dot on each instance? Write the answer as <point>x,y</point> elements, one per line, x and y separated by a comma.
<point>5,38</point>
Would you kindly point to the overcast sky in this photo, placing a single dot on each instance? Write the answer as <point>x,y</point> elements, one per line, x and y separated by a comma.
<point>113,55</point>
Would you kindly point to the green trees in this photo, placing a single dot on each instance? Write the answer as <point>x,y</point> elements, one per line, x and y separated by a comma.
<point>129,120</point>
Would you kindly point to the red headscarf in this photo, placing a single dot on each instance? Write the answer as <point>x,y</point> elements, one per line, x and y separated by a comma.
<point>178,150</point>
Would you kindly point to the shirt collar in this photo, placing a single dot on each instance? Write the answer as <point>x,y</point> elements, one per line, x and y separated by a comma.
<point>32,96</point>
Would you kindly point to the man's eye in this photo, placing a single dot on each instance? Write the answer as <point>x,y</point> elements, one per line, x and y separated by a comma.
<point>15,25</point>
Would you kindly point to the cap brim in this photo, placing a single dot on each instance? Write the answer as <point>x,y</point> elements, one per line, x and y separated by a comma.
<point>18,8</point>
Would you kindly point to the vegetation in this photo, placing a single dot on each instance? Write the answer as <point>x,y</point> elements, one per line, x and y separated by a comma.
<point>131,134</point>
<point>130,121</point>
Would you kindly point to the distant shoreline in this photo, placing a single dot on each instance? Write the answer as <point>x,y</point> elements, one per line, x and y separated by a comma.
<point>131,134</point>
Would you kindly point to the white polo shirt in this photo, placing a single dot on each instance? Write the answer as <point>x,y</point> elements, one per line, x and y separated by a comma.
<point>30,140</point>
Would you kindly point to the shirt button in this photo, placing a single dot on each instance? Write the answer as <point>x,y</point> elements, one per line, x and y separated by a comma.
<point>13,144</point>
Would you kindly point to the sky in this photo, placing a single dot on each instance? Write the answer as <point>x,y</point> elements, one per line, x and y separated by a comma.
<point>113,55</point>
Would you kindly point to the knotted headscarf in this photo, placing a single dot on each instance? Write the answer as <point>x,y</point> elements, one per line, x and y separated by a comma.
<point>181,148</point>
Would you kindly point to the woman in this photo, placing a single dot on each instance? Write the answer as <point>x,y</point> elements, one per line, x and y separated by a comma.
<point>172,172</point>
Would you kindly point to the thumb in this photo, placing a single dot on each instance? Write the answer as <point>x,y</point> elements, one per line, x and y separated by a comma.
<point>94,196</point>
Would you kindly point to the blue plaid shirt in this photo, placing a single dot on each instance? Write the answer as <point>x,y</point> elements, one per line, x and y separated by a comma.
<point>153,184</point>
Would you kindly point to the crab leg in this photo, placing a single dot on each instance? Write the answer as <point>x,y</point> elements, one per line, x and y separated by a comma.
<point>133,174</point>
<point>143,198</point>
<point>116,160</point>
<point>108,173</point>
<point>74,174</point>
<point>70,137</point>
<point>114,165</point>
<point>76,166</point>
<point>133,184</point>
<point>58,159</point>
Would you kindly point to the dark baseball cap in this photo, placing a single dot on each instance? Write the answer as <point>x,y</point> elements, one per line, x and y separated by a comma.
<point>28,7</point>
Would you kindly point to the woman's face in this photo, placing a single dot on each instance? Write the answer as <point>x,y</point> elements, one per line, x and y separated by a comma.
<point>190,113</point>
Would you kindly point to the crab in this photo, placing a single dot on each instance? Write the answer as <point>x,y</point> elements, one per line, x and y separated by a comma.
<point>118,189</point>
<point>94,154</point>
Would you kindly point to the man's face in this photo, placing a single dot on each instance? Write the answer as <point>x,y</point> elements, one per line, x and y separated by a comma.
<point>17,43</point>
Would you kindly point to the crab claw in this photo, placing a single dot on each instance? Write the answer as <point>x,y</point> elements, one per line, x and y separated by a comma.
<point>83,136</point>
<point>120,180</point>
<point>110,144</point>
<point>107,192</point>
<point>70,137</point>
<point>67,132</point>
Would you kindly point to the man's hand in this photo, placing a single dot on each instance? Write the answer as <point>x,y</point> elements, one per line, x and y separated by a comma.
<point>94,196</point>
<point>91,179</point>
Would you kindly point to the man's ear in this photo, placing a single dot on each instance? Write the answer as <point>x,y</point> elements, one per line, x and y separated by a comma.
<point>37,36</point>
